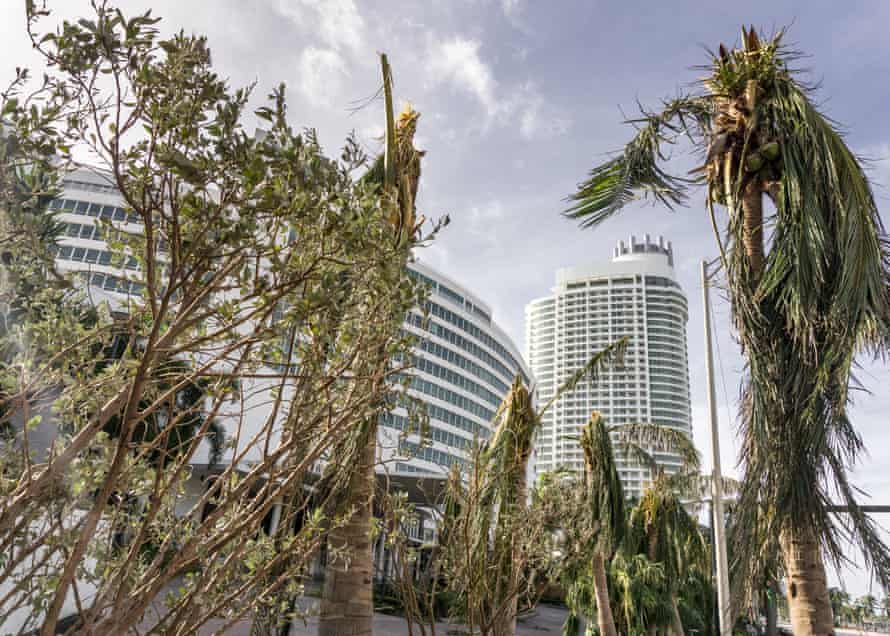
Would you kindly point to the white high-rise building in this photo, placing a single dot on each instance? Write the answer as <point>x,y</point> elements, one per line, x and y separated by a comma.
<point>635,295</point>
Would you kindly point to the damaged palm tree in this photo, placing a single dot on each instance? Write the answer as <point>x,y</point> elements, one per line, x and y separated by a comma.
<point>593,518</point>
<point>499,550</point>
<point>347,605</point>
<point>804,305</point>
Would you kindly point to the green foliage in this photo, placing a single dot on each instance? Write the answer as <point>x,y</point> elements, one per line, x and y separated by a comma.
<point>267,272</point>
<point>641,595</point>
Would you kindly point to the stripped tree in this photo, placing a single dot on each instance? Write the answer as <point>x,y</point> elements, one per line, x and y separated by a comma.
<point>805,303</point>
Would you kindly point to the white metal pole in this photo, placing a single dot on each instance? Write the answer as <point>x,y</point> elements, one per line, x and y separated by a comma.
<point>723,600</point>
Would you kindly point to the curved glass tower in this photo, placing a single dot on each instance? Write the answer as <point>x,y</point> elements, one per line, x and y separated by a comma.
<point>635,294</point>
<point>464,365</point>
<point>464,362</point>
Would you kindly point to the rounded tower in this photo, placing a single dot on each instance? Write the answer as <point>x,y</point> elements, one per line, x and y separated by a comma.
<point>633,295</point>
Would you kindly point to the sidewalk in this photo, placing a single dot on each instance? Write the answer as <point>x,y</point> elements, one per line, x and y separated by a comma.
<point>546,620</point>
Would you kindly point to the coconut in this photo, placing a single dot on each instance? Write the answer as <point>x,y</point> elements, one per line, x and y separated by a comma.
<point>770,150</point>
<point>753,162</point>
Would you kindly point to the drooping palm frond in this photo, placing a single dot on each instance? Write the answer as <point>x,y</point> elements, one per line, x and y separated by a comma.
<point>507,452</point>
<point>602,485</point>
<point>671,534</point>
<point>809,285</point>
<point>636,171</point>
<point>819,298</point>
<point>641,593</point>
<point>643,440</point>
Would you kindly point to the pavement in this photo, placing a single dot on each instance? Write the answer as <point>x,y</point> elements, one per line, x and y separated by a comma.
<point>547,619</point>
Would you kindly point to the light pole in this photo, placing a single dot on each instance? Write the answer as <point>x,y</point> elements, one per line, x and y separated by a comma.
<point>724,611</point>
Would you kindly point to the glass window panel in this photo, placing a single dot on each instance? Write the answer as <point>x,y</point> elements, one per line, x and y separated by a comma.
<point>92,256</point>
<point>78,253</point>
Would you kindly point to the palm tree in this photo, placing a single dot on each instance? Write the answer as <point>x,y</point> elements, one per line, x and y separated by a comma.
<point>839,600</point>
<point>493,549</point>
<point>605,497</point>
<point>869,604</point>
<point>592,516</point>
<point>347,599</point>
<point>667,534</point>
<point>641,594</point>
<point>804,304</point>
<point>593,521</point>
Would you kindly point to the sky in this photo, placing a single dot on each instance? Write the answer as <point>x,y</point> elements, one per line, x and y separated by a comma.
<point>519,99</point>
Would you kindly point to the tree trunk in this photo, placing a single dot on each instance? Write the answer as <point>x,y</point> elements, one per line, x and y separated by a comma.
<point>651,551</point>
<point>752,227</point>
<point>347,604</point>
<point>772,610</point>
<point>676,623</point>
<point>600,586</point>
<point>808,600</point>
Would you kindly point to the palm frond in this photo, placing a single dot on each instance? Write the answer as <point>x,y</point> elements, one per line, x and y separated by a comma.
<point>823,296</point>
<point>636,172</point>
<point>611,355</point>
<point>641,440</point>
<point>602,484</point>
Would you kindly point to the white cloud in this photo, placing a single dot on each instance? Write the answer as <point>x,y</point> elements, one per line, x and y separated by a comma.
<point>482,223</point>
<point>482,215</point>
<point>536,121</point>
<point>511,7</point>
<point>337,23</point>
<point>458,62</point>
<point>322,72</point>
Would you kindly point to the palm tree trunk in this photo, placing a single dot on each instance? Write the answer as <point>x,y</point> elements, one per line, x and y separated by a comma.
<point>752,227</point>
<point>600,586</point>
<point>808,600</point>
<point>347,603</point>
<point>676,623</point>
<point>772,610</point>
<point>651,553</point>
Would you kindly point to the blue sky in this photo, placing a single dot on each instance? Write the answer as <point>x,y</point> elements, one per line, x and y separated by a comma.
<point>518,100</point>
